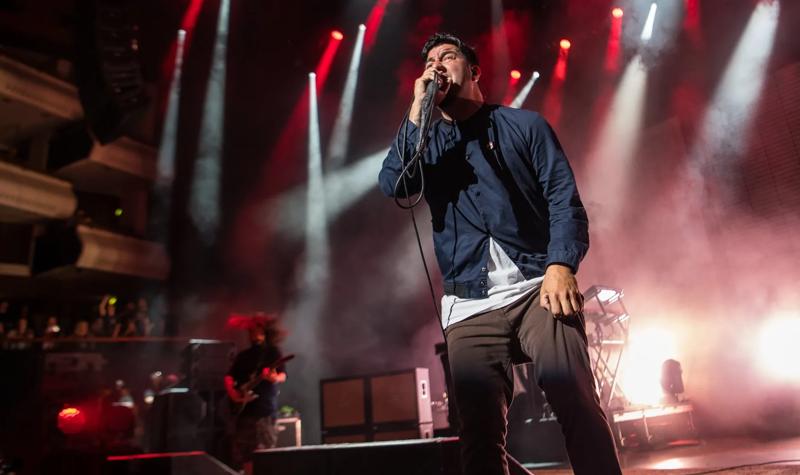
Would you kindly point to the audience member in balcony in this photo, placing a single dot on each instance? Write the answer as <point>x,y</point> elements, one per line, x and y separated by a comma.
<point>81,330</point>
<point>51,328</point>
<point>21,336</point>
<point>125,322</point>
<point>126,328</point>
<point>22,330</point>
<point>98,326</point>
<point>51,331</point>
<point>144,323</point>
<point>106,319</point>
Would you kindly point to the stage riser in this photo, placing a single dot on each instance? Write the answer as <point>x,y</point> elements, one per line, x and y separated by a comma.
<point>423,457</point>
<point>194,464</point>
<point>387,460</point>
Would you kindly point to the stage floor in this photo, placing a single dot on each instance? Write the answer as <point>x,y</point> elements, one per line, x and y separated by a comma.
<point>729,455</point>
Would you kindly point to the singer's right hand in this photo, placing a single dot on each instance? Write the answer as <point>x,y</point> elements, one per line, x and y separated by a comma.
<point>421,86</point>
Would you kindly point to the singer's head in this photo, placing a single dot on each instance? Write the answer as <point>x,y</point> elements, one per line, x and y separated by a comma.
<point>458,68</point>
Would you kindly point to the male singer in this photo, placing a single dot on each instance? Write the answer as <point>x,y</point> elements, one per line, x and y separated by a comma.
<point>509,232</point>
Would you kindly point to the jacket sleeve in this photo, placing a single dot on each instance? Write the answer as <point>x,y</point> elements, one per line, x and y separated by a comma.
<point>393,164</point>
<point>569,224</point>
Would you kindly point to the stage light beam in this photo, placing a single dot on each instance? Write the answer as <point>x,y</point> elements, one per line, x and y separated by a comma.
<point>165,166</point>
<point>337,35</point>
<point>610,158</point>
<point>525,91</point>
<point>316,239</point>
<point>337,148</point>
<point>373,23</point>
<point>647,31</point>
<point>515,74</point>
<point>565,44</point>
<point>617,13</point>
<point>343,187</point>
<point>204,198</point>
<point>316,258</point>
<point>723,135</point>
<point>613,45</point>
<point>553,99</point>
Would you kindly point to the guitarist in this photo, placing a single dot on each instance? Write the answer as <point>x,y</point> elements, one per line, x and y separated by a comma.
<point>256,423</point>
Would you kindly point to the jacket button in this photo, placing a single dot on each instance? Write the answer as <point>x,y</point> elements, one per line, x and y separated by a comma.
<point>483,283</point>
<point>483,269</point>
<point>466,156</point>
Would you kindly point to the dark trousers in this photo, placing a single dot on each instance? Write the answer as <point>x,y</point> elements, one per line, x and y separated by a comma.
<point>482,350</point>
<point>253,433</point>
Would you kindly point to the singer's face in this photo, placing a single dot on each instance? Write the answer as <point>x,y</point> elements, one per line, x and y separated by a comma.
<point>452,67</point>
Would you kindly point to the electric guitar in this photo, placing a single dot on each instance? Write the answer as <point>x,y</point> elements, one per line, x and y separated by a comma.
<point>246,388</point>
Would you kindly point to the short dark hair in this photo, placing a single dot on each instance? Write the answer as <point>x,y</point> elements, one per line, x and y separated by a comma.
<point>446,38</point>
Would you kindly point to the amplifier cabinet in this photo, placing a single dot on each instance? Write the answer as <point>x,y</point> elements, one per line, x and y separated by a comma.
<point>388,406</point>
<point>289,432</point>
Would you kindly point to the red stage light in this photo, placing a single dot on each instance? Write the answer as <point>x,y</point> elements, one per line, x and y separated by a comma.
<point>565,44</point>
<point>515,74</point>
<point>337,35</point>
<point>617,12</point>
<point>71,420</point>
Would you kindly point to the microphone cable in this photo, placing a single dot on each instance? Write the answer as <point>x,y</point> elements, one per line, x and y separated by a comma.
<point>410,170</point>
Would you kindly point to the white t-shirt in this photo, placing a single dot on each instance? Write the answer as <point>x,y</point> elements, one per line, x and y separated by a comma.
<point>506,284</point>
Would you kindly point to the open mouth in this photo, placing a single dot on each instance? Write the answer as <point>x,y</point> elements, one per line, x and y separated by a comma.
<point>443,83</point>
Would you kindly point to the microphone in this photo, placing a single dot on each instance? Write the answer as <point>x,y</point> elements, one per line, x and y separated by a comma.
<point>427,110</point>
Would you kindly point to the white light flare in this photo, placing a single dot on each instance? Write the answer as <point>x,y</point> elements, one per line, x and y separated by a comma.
<point>778,348</point>
<point>641,372</point>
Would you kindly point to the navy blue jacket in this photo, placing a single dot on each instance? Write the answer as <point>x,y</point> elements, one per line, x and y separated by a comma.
<point>501,174</point>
